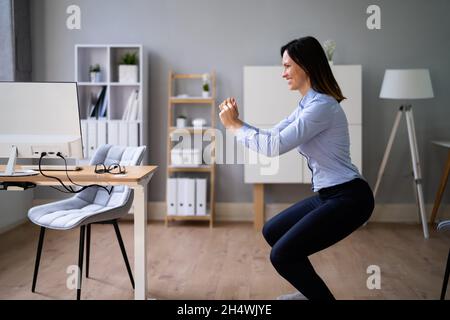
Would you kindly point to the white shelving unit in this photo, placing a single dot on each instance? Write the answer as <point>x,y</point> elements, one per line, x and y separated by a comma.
<point>110,129</point>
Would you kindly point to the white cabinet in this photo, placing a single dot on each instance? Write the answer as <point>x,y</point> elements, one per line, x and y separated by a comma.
<point>267,100</point>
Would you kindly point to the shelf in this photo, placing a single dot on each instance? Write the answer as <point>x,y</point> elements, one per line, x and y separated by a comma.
<point>184,218</point>
<point>121,84</point>
<point>201,168</point>
<point>198,103</point>
<point>92,84</point>
<point>188,76</point>
<point>198,100</point>
<point>190,129</point>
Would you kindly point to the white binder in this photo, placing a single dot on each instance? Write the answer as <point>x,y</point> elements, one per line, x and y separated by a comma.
<point>84,137</point>
<point>123,133</point>
<point>92,137</point>
<point>200,195</point>
<point>101,132</point>
<point>171,196</point>
<point>189,192</point>
<point>133,134</point>
<point>113,132</point>
<point>181,207</point>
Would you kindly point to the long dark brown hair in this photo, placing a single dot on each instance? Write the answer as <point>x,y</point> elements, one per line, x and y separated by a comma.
<point>310,56</point>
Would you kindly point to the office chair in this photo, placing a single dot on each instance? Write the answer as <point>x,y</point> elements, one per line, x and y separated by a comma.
<point>90,206</point>
<point>445,226</point>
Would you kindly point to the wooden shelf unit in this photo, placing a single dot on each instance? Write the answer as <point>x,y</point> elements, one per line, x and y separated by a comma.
<point>209,169</point>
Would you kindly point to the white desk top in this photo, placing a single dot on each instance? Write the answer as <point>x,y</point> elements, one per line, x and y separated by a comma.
<point>442,143</point>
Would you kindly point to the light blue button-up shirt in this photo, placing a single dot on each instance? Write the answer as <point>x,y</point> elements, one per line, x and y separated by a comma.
<point>318,128</point>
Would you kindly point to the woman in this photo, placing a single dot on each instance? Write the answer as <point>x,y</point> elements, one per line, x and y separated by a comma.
<point>318,128</point>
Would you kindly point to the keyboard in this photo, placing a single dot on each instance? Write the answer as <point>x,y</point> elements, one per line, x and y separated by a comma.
<point>51,168</point>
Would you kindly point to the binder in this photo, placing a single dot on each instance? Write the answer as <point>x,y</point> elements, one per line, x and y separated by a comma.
<point>171,196</point>
<point>101,132</point>
<point>92,137</point>
<point>200,197</point>
<point>123,133</point>
<point>113,132</point>
<point>133,134</point>
<point>181,208</point>
<point>189,192</point>
<point>84,137</point>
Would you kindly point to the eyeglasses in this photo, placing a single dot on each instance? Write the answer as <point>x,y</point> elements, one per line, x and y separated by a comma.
<point>112,169</point>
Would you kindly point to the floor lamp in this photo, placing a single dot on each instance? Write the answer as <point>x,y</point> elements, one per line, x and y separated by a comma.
<point>407,84</point>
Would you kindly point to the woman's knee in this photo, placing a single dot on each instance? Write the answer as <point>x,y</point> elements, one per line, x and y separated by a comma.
<point>268,233</point>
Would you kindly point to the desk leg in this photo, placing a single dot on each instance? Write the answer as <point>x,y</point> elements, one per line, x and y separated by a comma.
<point>441,190</point>
<point>140,242</point>
<point>258,205</point>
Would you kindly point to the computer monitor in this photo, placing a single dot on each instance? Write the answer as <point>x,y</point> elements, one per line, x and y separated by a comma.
<point>38,117</point>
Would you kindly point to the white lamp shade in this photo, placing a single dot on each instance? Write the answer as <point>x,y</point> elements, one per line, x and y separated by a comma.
<point>406,84</point>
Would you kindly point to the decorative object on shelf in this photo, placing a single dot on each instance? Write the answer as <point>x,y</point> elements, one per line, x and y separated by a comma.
<point>185,157</point>
<point>128,69</point>
<point>205,86</point>
<point>95,73</point>
<point>329,47</point>
<point>198,122</point>
<point>181,122</point>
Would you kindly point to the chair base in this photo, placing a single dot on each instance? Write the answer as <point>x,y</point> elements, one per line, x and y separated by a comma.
<point>85,233</point>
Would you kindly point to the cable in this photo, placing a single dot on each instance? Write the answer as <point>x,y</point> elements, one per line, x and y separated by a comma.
<point>69,188</point>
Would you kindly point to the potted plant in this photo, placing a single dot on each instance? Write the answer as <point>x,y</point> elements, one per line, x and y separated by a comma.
<point>329,46</point>
<point>205,86</point>
<point>128,69</point>
<point>95,72</point>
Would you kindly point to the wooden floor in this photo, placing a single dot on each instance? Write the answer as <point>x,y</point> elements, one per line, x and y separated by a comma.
<point>190,261</point>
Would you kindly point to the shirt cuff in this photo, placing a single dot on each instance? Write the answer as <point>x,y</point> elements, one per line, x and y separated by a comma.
<point>241,133</point>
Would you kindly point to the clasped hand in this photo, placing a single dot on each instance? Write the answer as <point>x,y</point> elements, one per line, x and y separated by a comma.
<point>229,114</point>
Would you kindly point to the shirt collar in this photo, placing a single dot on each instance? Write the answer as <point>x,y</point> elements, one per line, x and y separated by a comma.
<point>310,94</point>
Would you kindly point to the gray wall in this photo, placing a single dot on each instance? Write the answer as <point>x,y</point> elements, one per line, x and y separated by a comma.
<point>6,41</point>
<point>199,35</point>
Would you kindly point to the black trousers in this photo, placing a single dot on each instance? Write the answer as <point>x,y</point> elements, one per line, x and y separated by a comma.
<point>312,225</point>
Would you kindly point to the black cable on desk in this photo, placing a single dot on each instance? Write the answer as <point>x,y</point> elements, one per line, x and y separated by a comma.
<point>69,188</point>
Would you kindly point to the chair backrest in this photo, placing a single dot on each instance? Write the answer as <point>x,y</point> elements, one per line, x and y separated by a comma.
<point>110,154</point>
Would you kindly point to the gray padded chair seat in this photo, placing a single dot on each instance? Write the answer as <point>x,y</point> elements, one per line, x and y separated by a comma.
<point>93,204</point>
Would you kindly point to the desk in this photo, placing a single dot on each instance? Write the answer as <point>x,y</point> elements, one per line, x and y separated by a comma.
<point>137,178</point>
<point>444,178</point>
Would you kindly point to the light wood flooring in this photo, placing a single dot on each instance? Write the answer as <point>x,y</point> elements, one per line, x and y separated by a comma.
<point>191,261</point>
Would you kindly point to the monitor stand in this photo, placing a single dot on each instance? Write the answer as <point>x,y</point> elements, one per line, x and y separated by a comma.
<point>10,172</point>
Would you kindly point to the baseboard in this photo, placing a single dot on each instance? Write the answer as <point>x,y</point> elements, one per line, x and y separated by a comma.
<point>243,211</point>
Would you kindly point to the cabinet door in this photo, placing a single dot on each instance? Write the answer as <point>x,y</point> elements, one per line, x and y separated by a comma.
<point>287,168</point>
<point>349,80</point>
<point>267,98</point>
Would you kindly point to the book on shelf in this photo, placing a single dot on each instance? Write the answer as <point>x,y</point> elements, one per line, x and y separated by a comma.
<point>132,107</point>
<point>97,107</point>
